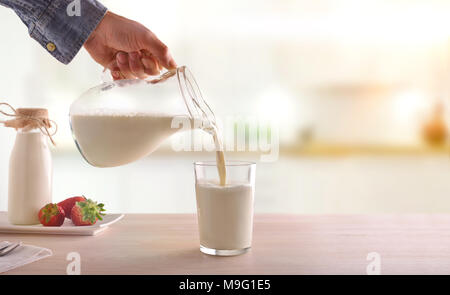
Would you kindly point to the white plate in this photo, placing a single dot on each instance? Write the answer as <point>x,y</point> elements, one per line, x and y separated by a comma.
<point>68,228</point>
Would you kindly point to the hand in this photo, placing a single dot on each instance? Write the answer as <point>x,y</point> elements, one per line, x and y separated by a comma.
<point>127,48</point>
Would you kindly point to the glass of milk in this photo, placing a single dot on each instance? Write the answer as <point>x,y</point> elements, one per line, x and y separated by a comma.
<point>225,212</point>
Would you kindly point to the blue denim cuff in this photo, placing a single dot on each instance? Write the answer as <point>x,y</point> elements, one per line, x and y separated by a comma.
<point>63,35</point>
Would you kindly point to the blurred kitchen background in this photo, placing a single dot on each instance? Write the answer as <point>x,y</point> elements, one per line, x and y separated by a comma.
<point>360,89</point>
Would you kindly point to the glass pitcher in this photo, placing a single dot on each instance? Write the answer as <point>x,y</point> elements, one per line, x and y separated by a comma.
<point>119,122</point>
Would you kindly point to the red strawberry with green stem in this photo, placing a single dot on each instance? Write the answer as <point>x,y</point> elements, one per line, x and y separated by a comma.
<point>51,215</point>
<point>68,204</point>
<point>86,212</point>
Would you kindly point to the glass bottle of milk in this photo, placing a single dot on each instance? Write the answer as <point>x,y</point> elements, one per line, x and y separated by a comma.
<point>30,167</point>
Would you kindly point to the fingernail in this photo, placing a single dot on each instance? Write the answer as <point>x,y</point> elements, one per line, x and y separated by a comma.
<point>115,74</point>
<point>122,57</point>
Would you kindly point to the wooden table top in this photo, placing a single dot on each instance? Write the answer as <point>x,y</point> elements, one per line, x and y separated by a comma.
<point>282,244</point>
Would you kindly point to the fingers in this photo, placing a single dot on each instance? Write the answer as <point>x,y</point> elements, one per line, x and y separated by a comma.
<point>136,65</point>
<point>152,66</point>
<point>159,50</point>
<point>124,65</point>
<point>115,70</point>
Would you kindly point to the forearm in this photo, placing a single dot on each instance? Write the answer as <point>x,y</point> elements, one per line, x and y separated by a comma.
<point>50,24</point>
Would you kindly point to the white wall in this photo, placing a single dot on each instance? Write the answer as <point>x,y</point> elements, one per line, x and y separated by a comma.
<point>250,56</point>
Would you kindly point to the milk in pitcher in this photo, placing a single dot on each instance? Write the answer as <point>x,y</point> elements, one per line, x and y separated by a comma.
<point>114,139</point>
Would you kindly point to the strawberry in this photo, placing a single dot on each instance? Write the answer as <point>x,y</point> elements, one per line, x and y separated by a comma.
<point>67,204</point>
<point>86,212</point>
<point>51,215</point>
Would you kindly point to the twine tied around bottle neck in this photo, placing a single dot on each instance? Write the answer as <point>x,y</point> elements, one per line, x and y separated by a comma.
<point>28,119</point>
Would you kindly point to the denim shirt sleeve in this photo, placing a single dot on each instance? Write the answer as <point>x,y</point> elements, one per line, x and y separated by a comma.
<point>61,33</point>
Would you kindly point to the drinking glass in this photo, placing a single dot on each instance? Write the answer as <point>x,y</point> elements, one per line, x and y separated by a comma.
<point>225,213</point>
